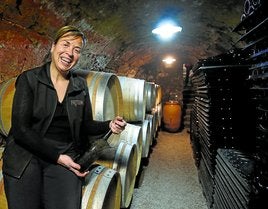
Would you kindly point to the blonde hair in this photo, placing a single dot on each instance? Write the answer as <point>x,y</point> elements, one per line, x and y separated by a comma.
<point>72,31</point>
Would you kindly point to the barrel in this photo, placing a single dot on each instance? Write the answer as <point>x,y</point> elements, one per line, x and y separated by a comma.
<point>123,159</point>
<point>146,138</point>
<point>133,91</point>
<point>3,201</point>
<point>158,94</point>
<point>150,95</point>
<point>159,114</point>
<point>153,117</point>
<point>151,124</point>
<point>172,116</point>
<point>156,119</point>
<point>102,189</point>
<point>105,94</point>
<point>7,91</point>
<point>132,135</point>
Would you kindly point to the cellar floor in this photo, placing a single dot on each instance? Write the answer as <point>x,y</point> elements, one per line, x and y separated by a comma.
<point>169,178</point>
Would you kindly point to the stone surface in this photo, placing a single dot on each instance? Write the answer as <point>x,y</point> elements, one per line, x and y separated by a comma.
<point>119,34</point>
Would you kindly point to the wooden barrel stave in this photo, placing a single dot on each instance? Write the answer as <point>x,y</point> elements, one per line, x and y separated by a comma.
<point>133,91</point>
<point>7,91</point>
<point>149,117</point>
<point>109,101</point>
<point>122,159</point>
<point>103,189</point>
<point>105,94</point>
<point>150,93</point>
<point>146,138</point>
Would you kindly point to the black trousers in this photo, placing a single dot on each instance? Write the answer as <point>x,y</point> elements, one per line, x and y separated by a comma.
<point>44,186</point>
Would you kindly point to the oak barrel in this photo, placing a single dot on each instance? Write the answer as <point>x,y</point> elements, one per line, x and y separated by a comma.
<point>105,94</point>
<point>150,94</point>
<point>151,124</point>
<point>133,91</point>
<point>7,91</point>
<point>146,138</point>
<point>158,94</point>
<point>132,134</point>
<point>102,189</point>
<point>123,159</point>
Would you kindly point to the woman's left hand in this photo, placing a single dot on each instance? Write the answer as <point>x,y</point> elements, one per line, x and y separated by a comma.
<point>67,162</point>
<point>117,125</point>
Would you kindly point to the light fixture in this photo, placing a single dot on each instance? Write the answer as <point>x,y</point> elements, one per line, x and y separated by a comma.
<point>166,29</point>
<point>169,60</point>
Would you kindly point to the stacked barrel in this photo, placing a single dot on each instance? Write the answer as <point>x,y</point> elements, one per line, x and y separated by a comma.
<point>111,182</point>
<point>153,111</point>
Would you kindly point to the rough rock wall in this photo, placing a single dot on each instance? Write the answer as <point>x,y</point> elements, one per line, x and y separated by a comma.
<point>26,32</point>
<point>119,34</point>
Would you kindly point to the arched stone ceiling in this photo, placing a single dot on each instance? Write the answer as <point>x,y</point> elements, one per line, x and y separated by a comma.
<point>119,35</point>
<point>119,31</point>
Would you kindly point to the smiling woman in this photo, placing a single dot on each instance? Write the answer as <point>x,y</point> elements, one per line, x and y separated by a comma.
<point>50,124</point>
<point>65,52</point>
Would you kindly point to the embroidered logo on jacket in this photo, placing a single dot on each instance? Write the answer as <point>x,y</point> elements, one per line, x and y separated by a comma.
<point>77,102</point>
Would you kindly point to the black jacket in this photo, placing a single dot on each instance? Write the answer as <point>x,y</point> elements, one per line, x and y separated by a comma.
<point>33,108</point>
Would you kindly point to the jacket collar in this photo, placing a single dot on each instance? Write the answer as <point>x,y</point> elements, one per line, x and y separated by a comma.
<point>75,84</point>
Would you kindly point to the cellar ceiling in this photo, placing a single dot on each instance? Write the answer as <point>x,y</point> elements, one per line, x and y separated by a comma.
<point>119,31</point>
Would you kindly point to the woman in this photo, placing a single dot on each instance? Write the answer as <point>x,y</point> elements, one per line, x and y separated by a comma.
<point>51,122</point>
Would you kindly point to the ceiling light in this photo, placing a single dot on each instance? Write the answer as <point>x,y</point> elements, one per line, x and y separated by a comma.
<point>166,30</point>
<point>169,60</point>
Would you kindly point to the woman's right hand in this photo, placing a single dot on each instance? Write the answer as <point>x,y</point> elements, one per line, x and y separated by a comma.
<point>117,125</point>
<point>68,162</point>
